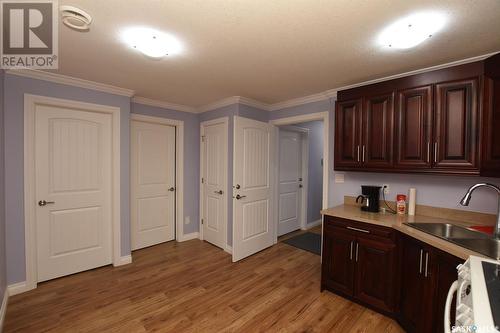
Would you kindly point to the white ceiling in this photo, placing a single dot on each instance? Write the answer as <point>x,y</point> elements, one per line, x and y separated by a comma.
<point>267,50</point>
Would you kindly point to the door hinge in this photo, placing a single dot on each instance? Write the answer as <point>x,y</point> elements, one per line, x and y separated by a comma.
<point>203,180</point>
<point>201,221</point>
<point>202,138</point>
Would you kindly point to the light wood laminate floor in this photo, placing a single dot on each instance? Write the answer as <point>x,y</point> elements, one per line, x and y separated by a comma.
<point>194,287</point>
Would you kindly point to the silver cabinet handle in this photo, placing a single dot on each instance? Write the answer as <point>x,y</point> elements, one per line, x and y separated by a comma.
<point>358,153</point>
<point>428,152</point>
<point>435,152</point>
<point>171,189</point>
<point>421,257</point>
<point>350,257</point>
<point>42,203</point>
<point>238,197</point>
<point>360,230</point>
<point>357,251</point>
<point>364,148</point>
<point>426,263</point>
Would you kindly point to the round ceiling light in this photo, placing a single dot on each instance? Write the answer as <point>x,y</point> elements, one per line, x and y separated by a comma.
<point>412,30</point>
<point>75,18</point>
<point>151,42</point>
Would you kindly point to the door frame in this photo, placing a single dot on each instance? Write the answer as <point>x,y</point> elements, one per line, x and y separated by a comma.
<point>304,147</point>
<point>322,116</point>
<point>30,103</point>
<point>179,167</point>
<point>225,161</point>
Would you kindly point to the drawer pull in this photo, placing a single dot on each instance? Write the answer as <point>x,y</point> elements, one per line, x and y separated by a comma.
<point>360,230</point>
<point>421,257</point>
<point>357,251</point>
<point>426,264</point>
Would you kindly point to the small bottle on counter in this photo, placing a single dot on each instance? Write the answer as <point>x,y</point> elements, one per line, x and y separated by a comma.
<point>401,204</point>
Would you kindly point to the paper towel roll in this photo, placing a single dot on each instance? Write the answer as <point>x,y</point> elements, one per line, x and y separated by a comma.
<point>412,200</point>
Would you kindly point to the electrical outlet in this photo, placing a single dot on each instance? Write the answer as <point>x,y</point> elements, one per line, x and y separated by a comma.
<point>187,220</point>
<point>386,188</point>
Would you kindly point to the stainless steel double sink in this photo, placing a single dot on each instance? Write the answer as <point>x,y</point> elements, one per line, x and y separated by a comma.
<point>473,240</point>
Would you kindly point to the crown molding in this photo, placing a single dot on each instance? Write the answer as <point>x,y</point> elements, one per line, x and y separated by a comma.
<point>71,81</point>
<point>254,103</point>
<point>163,105</point>
<point>299,101</point>
<point>234,100</point>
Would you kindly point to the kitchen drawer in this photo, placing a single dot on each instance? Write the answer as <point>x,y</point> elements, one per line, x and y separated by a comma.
<point>365,230</point>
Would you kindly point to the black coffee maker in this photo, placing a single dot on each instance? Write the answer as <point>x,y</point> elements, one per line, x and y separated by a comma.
<point>369,198</point>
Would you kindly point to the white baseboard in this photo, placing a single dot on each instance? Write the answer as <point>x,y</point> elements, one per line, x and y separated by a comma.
<point>229,249</point>
<point>3,310</point>
<point>18,288</point>
<point>312,224</point>
<point>193,235</point>
<point>124,260</point>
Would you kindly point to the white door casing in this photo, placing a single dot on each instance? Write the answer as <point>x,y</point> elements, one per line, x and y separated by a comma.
<point>152,172</point>
<point>290,181</point>
<point>214,151</point>
<point>253,173</point>
<point>73,174</point>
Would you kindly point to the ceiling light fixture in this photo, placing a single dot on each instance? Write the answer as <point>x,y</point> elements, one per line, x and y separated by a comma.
<point>151,42</point>
<point>412,30</point>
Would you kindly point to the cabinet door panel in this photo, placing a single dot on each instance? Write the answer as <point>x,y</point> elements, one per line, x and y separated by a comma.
<point>338,267</point>
<point>375,272</point>
<point>347,133</point>
<point>456,125</point>
<point>491,124</point>
<point>412,285</point>
<point>378,123</point>
<point>414,128</point>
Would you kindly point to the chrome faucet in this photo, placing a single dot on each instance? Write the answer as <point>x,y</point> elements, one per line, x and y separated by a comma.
<point>466,199</point>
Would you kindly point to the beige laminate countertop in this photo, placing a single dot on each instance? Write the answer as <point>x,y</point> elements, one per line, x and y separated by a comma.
<point>396,222</point>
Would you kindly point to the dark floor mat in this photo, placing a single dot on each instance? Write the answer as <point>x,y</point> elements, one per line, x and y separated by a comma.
<point>309,241</point>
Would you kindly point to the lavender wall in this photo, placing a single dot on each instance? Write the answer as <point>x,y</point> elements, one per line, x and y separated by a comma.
<point>14,90</point>
<point>315,170</point>
<point>3,270</point>
<point>191,158</point>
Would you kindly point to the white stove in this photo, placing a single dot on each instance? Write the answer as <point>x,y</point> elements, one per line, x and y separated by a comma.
<point>478,297</point>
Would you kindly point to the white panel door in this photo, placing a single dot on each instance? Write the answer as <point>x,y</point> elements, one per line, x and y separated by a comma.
<point>73,178</point>
<point>214,173</point>
<point>290,181</point>
<point>152,184</point>
<point>253,187</point>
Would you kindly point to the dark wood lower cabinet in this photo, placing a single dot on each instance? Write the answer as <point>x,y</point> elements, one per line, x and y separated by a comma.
<point>388,271</point>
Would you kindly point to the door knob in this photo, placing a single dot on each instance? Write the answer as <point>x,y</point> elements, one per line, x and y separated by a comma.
<point>42,203</point>
<point>171,189</point>
<point>218,192</point>
<point>238,197</point>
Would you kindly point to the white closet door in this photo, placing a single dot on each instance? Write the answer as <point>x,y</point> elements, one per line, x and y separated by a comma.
<point>214,173</point>
<point>73,178</point>
<point>152,173</point>
<point>253,181</point>
<point>290,180</point>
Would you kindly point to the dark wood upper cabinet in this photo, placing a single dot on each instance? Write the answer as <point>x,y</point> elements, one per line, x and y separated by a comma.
<point>348,133</point>
<point>378,125</point>
<point>413,127</point>
<point>456,126</point>
<point>439,122</point>
<point>491,119</point>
